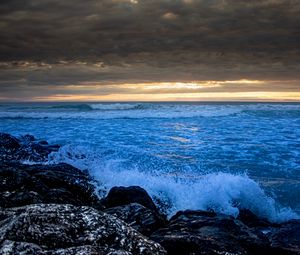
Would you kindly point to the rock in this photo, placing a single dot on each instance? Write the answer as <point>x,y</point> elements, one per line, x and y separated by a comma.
<point>251,220</point>
<point>25,148</point>
<point>139,217</point>
<point>29,184</point>
<point>68,229</point>
<point>43,142</point>
<point>126,195</point>
<point>8,144</point>
<point>28,138</point>
<point>12,248</point>
<point>286,237</point>
<point>199,232</point>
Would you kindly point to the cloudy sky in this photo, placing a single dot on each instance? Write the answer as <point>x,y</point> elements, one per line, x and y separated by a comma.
<point>122,50</point>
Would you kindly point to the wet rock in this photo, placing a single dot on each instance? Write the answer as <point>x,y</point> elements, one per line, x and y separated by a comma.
<point>126,195</point>
<point>139,217</point>
<point>27,147</point>
<point>286,237</point>
<point>68,229</point>
<point>13,248</point>
<point>8,144</point>
<point>29,184</point>
<point>28,138</point>
<point>199,232</point>
<point>251,220</point>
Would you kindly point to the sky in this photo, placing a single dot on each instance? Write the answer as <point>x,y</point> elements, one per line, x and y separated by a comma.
<point>150,50</point>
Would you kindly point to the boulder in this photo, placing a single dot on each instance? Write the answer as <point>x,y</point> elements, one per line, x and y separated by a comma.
<point>286,236</point>
<point>29,184</point>
<point>8,145</point>
<point>251,220</point>
<point>126,195</point>
<point>27,147</point>
<point>200,232</point>
<point>139,217</point>
<point>68,229</point>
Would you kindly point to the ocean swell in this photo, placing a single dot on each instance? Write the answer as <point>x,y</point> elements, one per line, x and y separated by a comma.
<point>145,110</point>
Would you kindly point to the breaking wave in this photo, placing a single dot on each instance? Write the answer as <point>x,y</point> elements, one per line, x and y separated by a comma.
<point>143,110</point>
<point>222,192</point>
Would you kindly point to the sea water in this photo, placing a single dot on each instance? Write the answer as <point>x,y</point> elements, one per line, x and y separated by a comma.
<point>210,156</point>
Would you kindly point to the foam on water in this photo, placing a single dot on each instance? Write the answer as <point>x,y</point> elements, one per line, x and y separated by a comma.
<point>222,192</point>
<point>138,110</point>
<point>116,106</point>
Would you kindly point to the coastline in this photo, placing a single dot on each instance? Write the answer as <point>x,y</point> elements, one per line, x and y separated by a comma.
<point>53,209</point>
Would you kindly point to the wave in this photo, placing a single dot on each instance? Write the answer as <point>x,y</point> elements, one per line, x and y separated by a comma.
<point>117,106</point>
<point>99,107</point>
<point>80,107</point>
<point>132,111</point>
<point>151,110</point>
<point>222,192</point>
<point>74,107</point>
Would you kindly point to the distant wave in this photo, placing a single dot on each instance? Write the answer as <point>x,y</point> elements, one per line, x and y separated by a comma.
<point>100,106</point>
<point>80,107</point>
<point>222,192</point>
<point>76,107</point>
<point>117,106</point>
<point>148,110</point>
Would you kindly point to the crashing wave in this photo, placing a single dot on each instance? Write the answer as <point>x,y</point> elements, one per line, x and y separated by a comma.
<point>222,192</point>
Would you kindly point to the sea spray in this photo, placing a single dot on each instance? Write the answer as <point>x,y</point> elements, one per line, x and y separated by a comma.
<point>221,192</point>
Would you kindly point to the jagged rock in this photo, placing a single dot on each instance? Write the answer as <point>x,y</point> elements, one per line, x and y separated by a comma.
<point>8,143</point>
<point>251,220</point>
<point>28,138</point>
<point>126,195</point>
<point>198,232</point>
<point>139,217</point>
<point>27,147</point>
<point>68,229</point>
<point>29,184</point>
<point>13,248</point>
<point>286,236</point>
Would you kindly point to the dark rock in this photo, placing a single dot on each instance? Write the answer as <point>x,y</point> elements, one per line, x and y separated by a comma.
<point>8,143</point>
<point>28,138</point>
<point>25,148</point>
<point>139,217</point>
<point>13,248</point>
<point>251,220</point>
<point>198,232</point>
<point>29,184</point>
<point>286,236</point>
<point>68,229</point>
<point>127,195</point>
<point>43,143</point>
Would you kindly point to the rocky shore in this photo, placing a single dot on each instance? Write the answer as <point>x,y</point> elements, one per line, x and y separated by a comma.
<point>53,209</point>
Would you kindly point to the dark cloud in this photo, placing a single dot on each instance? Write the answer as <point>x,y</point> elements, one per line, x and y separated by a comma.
<point>59,42</point>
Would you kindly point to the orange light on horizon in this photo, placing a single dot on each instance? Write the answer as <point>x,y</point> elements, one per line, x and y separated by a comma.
<point>165,91</point>
<point>222,96</point>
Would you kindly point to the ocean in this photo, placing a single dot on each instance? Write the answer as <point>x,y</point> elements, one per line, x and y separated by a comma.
<point>209,156</point>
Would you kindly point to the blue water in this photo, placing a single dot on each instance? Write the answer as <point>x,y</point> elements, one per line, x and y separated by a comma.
<point>220,156</point>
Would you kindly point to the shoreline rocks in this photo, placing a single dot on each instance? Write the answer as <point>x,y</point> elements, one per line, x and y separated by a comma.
<point>53,209</point>
<point>56,229</point>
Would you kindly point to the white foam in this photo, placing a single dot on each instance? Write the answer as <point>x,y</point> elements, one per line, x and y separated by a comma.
<point>221,192</point>
<point>134,112</point>
<point>114,106</point>
<point>146,110</point>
